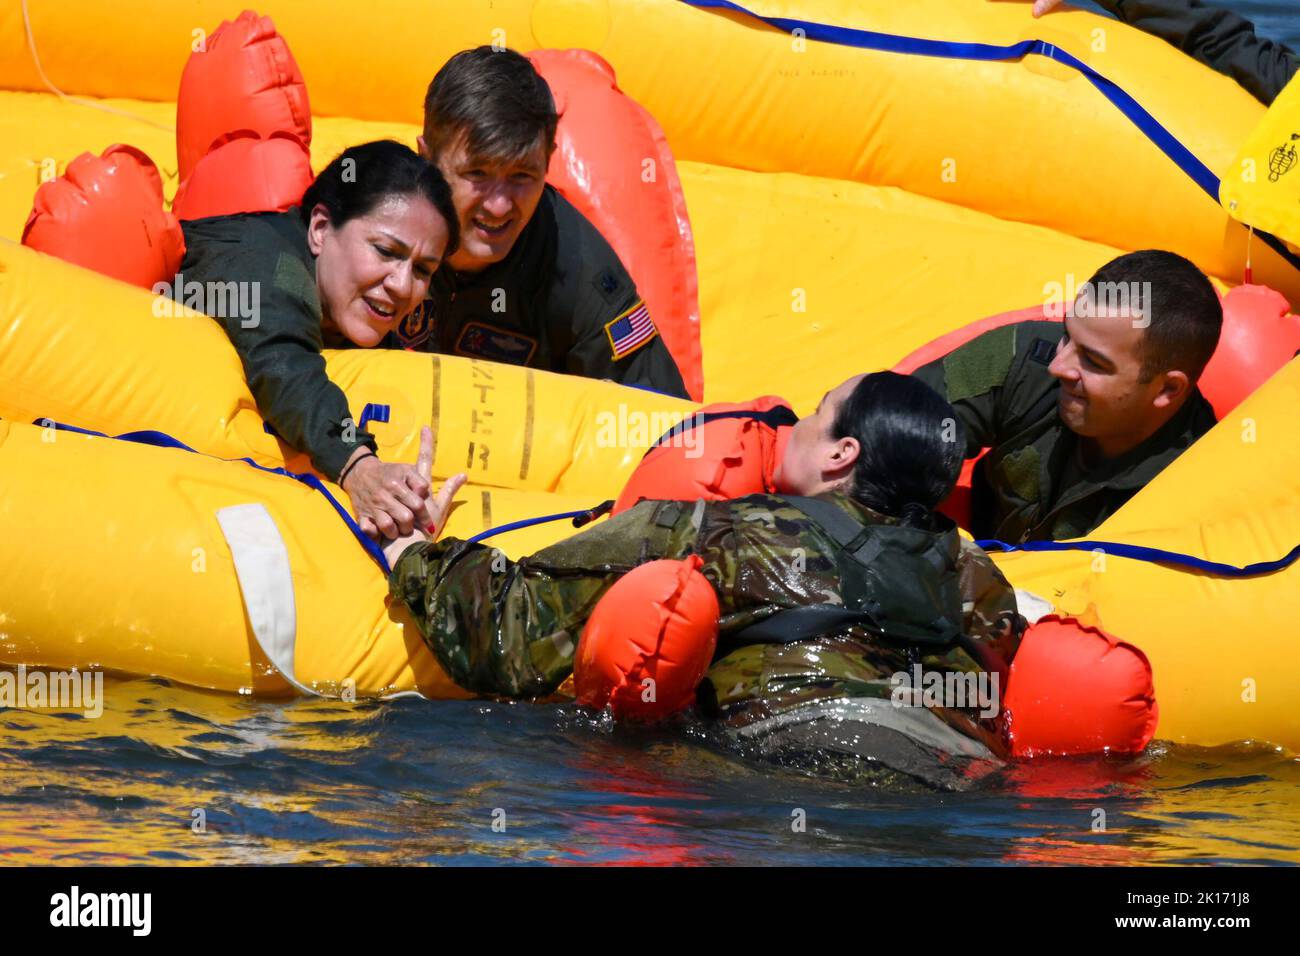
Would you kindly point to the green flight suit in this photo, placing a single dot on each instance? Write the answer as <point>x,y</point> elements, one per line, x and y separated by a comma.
<point>1030,486</point>
<point>280,346</point>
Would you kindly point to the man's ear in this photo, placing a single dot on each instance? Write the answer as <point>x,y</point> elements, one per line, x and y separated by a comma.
<point>1175,386</point>
<point>317,228</point>
<point>423,147</point>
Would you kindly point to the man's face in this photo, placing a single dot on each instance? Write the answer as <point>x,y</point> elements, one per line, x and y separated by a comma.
<point>812,455</point>
<point>494,200</point>
<point>1098,364</point>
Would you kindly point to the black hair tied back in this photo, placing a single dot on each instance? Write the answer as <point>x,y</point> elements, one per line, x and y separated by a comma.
<point>911,446</point>
<point>361,177</point>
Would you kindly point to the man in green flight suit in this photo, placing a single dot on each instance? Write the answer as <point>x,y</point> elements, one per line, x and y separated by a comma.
<point>889,586</point>
<point>1079,418</point>
<point>533,282</point>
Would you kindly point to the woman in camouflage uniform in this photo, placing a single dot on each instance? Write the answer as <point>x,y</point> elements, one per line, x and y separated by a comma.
<point>826,597</point>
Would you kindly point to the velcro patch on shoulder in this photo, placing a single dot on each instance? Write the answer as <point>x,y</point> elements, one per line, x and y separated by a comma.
<point>1020,471</point>
<point>630,330</point>
<point>291,276</point>
<point>981,364</point>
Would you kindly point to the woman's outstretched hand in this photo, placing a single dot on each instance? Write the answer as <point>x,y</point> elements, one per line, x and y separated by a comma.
<point>433,516</point>
<point>389,499</point>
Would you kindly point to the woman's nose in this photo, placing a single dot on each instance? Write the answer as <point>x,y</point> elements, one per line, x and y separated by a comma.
<point>399,282</point>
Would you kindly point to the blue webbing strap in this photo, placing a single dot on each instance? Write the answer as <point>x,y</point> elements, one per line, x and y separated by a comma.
<point>525,523</point>
<point>163,440</point>
<point>1147,124</point>
<point>1154,555</point>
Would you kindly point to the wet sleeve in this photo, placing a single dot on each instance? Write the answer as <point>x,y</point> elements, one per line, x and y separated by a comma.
<point>1220,39</point>
<point>511,628</point>
<point>598,321</point>
<point>280,348</point>
<point>993,624</point>
<point>972,378</point>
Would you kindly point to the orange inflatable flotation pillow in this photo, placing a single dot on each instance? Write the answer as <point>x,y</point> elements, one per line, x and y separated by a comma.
<point>613,163</point>
<point>723,451</point>
<point>245,78</point>
<point>106,213</point>
<point>1259,336</point>
<point>246,172</point>
<point>649,641</point>
<point>1075,689</point>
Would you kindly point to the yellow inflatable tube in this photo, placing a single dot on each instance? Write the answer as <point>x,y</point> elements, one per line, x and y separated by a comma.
<point>115,558</point>
<point>77,348</point>
<point>1027,140</point>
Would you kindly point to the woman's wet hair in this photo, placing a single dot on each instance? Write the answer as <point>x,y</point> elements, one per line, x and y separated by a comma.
<point>911,445</point>
<point>361,177</point>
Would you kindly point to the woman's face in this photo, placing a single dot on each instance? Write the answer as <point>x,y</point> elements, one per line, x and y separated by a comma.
<point>375,269</point>
<point>814,461</point>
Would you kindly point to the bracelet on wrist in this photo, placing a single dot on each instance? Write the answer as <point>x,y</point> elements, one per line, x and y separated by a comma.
<point>343,475</point>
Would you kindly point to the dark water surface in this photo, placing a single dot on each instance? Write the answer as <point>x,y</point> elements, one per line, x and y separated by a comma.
<point>411,782</point>
<point>307,781</point>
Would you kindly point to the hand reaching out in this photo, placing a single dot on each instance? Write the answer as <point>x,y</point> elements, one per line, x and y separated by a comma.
<point>387,498</point>
<point>433,516</point>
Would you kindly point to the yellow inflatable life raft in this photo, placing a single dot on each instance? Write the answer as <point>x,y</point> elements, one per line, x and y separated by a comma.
<point>964,189</point>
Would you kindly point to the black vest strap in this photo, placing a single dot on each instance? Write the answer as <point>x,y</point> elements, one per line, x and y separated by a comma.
<point>864,545</point>
<point>773,418</point>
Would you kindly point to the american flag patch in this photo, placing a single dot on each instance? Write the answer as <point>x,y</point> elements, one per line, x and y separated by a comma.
<point>631,330</point>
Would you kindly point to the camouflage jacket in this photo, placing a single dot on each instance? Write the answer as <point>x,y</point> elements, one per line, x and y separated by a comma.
<point>999,384</point>
<point>510,628</point>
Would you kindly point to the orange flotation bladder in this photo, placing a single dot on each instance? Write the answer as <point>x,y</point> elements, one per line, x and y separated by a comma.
<point>613,163</point>
<point>246,172</point>
<point>244,78</point>
<point>1259,337</point>
<point>243,124</point>
<point>726,450</point>
<point>1074,690</point>
<point>649,641</point>
<point>106,213</point>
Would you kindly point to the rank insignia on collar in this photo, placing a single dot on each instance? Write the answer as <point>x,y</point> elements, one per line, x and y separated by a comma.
<point>481,340</point>
<point>1042,351</point>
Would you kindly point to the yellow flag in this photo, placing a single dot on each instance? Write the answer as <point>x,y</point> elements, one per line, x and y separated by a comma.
<point>1262,186</point>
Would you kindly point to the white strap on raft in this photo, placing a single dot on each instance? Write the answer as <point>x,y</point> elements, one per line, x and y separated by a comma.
<point>266,583</point>
<point>1032,607</point>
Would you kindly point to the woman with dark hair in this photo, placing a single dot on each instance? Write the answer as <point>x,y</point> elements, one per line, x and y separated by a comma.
<point>826,591</point>
<point>340,270</point>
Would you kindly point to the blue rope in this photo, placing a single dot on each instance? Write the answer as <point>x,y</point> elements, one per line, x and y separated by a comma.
<point>163,440</point>
<point>525,523</point>
<point>1153,555</point>
<point>947,49</point>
